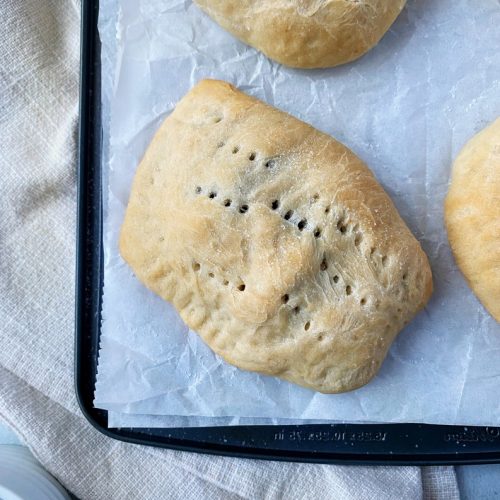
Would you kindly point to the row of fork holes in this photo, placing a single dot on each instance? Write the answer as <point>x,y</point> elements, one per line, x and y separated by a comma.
<point>236,149</point>
<point>301,225</point>
<point>197,267</point>
<point>341,225</point>
<point>348,289</point>
<point>252,156</point>
<point>243,209</point>
<point>274,206</point>
<point>296,310</point>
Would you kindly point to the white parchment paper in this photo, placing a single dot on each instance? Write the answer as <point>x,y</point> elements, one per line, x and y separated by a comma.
<point>406,109</point>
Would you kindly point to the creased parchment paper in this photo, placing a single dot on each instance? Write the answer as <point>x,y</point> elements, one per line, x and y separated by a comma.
<point>406,109</point>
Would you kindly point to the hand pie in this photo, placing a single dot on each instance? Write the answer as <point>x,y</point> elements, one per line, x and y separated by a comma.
<point>306,33</point>
<point>273,241</point>
<point>472,214</point>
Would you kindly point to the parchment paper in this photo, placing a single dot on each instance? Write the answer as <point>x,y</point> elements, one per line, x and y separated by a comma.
<point>406,109</point>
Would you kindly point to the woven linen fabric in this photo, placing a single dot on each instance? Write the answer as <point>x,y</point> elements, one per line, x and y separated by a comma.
<point>39,49</point>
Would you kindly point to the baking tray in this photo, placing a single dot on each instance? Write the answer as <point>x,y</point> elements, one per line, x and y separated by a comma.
<point>345,443</point>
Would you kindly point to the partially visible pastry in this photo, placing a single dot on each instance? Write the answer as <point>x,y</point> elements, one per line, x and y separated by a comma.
<point>306,33</point>
<point>472,214</point>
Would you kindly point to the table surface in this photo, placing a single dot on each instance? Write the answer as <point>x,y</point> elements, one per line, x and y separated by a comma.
<point>476,482</point>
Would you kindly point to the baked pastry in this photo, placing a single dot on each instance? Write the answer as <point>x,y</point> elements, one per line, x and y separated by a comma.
<point>273,241</point>
<point>306,33</point>
<point>472,214</point>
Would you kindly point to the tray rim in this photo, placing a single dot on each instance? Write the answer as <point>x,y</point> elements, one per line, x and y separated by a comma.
<point>356,443</point>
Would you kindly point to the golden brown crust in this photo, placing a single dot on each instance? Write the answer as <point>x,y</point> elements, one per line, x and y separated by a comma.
<point>273,241</point>
<point>472,213</point>
<point>306,33</point>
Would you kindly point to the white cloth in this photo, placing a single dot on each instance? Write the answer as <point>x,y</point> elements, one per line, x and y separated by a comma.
<point>39,48</point>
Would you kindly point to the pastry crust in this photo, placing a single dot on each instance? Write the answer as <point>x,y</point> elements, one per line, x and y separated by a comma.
<point>273,241</point>
<point>472,213</point>
<point>306,33</point>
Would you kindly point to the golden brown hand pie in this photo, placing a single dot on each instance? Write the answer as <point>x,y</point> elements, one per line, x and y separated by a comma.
<point>306,33</point>
<point>273,241</point>
<point>472,213</point>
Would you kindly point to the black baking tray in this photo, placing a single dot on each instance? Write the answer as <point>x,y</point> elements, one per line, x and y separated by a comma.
<point>337,443</point>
